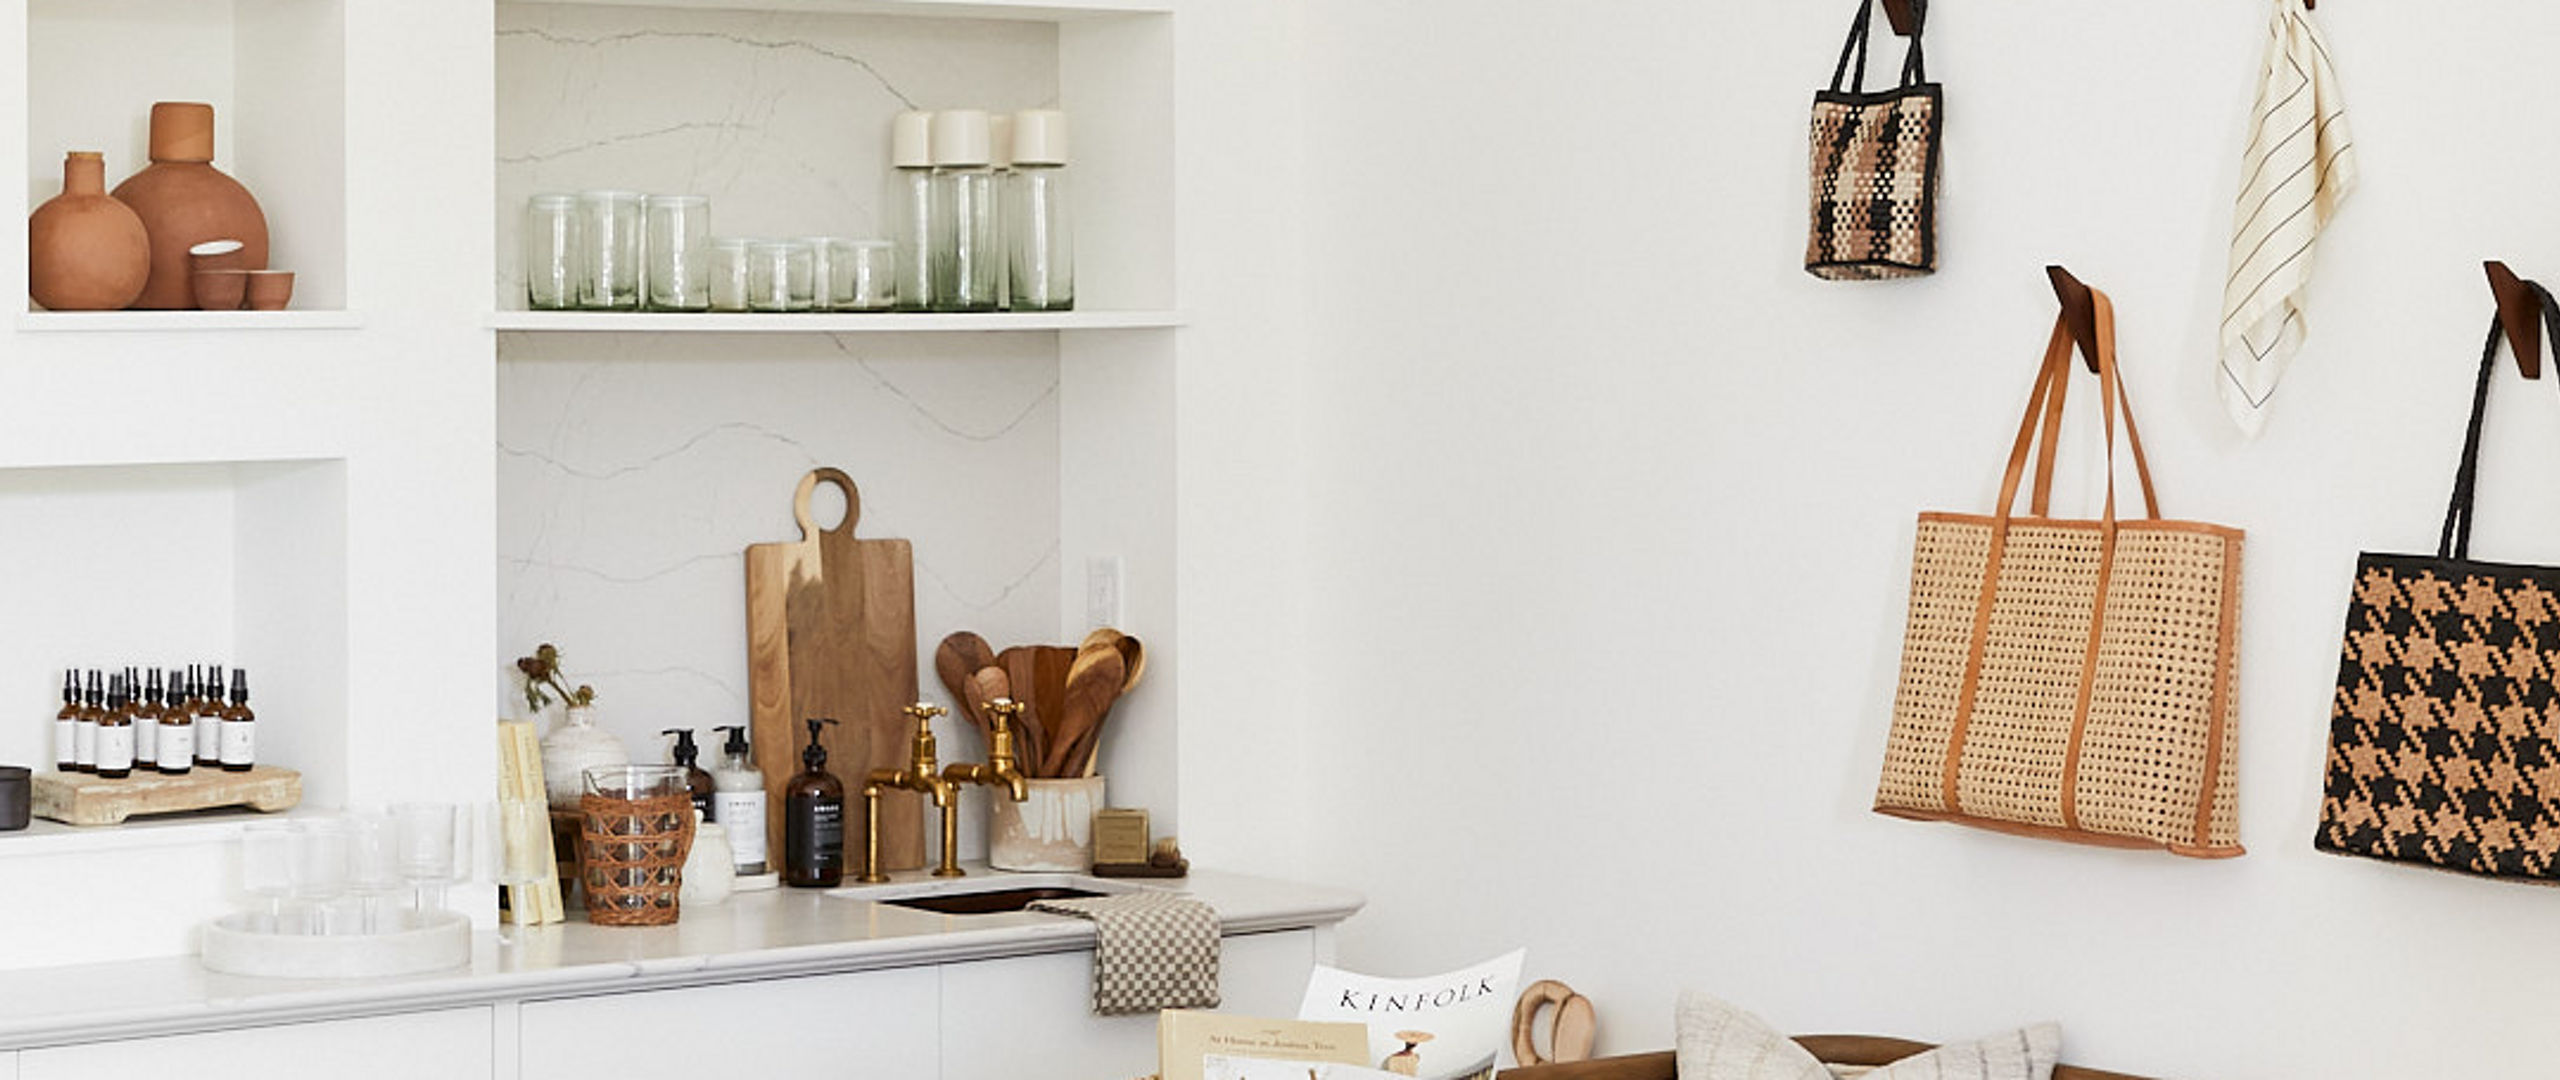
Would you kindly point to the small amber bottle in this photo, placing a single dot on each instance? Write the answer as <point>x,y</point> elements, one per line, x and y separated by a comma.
<point>115,732</point>
<point>177,729</point>
<point>146,721</point>
<point>66,725</point>
<point>813,820</point>
<point>84,734</point>
<point>204,704</point>
<point>239,727</point>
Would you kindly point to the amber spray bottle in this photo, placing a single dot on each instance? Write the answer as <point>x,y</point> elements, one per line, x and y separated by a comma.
<point>813,820</point>
<point>115,732</point>
<point>239,726</point>
<point>205,705</point>
<point>146,721</point>
<point>84,734</point>
<point>177,729</point>
<point>66,725</point>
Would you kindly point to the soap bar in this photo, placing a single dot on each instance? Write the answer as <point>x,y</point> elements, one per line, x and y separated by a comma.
<point>1120,836</point>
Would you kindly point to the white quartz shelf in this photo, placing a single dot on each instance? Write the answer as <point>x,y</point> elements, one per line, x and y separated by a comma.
<point>886,322</point>
<point>782,933</point>
<point>109,321</point>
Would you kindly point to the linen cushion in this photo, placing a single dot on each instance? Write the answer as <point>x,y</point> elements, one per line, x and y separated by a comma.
<point>1721,1042</point>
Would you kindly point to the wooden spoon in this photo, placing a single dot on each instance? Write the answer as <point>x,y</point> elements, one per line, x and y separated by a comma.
<point>1092,685</point>
<point>1133,657</point>
<point>955,660</point>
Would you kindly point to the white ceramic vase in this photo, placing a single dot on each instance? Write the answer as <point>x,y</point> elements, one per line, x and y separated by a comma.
<point>1052,830</point>
<point>571,749</point>
<point>710,868</point>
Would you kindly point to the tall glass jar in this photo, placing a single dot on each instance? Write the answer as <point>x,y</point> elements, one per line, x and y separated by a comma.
<point>609,239</point>
<point>910,203</point>
<point>550,243</point>
<point>679,253</point>
<point>1038,228</point>
<point>964,256</point>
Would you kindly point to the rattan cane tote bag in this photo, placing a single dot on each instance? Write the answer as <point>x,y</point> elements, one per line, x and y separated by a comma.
<point>2072,679</point>
<point>2444,734</point>
<point>1875,166</point>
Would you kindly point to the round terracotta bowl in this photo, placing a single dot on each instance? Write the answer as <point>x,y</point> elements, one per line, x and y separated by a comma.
<point>269,290</point>
<point>221,290</point>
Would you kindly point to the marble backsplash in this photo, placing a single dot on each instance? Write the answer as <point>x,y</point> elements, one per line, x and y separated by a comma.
<point>634,469</point>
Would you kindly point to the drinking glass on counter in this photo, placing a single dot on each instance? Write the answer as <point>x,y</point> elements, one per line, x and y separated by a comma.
<point>679,253</point>
<point>266,867</point>
<point>609,246</point>
<point>431,851</point>
<point>551,252</point>
<point>373,866</point>
<point>319,872</point>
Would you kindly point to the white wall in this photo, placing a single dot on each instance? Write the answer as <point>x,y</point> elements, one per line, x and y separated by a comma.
<point>1608,510</point>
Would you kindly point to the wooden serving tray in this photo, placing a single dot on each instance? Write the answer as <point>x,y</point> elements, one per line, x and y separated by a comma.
<point>82,799</point>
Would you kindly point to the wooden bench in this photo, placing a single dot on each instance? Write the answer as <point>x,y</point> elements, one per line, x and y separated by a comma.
<point>1836,1049</point>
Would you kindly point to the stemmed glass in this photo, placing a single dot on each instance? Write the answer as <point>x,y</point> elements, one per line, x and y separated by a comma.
<point>433,849</point>
<point>373,864</point>
<point>266,867</point>
<point>319,870</point>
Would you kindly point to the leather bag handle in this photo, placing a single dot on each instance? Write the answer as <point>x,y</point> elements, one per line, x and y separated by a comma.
<point>1915,68</point>
<point>2455,541</point>
<point>2044,411</point>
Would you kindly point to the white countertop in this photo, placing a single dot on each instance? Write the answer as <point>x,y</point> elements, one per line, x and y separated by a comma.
<point>756,935</point>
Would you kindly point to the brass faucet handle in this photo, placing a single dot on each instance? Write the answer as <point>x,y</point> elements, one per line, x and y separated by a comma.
<point>1002,713</point>
<point>925,711</point>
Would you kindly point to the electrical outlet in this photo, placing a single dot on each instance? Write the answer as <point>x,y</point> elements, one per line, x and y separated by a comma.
<point>1102,593</point>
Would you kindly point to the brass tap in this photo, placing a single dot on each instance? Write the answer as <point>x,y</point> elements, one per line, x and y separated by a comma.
<point>998,772</point>
<point>921,775</point>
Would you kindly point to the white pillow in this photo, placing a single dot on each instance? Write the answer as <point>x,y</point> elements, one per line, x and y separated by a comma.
<point>1721,1042</point>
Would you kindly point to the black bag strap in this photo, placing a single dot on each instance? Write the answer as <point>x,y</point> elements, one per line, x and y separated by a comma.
<point>1915,68</point>
<point>2455,541</point>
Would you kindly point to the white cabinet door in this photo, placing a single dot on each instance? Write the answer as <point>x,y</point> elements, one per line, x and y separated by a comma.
<point>1033,1016</point>
<point>873,1024</point>
<point>452,1044</point>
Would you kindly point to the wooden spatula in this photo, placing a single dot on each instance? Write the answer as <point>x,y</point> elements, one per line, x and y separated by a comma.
<point>954,661</point>
<point>1133,657</point>
<point>1092,685</point>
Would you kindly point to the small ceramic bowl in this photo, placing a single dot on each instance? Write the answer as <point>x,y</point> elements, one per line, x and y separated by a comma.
<point>220,290</point>
<point>270,290</point>
<point>218,255</point>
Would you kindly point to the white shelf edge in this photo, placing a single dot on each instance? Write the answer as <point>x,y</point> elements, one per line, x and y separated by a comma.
<point>1029,10</point>
<point>895,322</point>
<point>42,837</point>
<point>109,321</point>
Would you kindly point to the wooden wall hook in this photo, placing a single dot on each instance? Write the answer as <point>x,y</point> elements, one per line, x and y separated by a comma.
<point>1899,13</point>
<point>2521,313</point>
<point>2077,308</point>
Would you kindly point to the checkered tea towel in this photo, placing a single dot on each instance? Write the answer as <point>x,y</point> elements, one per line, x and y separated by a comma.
<point>1152,950</point>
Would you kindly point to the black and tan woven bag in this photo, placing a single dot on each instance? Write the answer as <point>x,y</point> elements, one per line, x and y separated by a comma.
<point>1875,166</point>
<point>2072,679</point>
<point>2444,734</point>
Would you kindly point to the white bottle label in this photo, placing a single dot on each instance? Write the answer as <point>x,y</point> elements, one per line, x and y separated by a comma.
<point>741,815</point>
<point>208,738</point>
<point>177,747</point>
<point>115,747</point>
<point>66,745</point>
<point>84,742</point>
<point>146,741</point>
<point>239,742</point>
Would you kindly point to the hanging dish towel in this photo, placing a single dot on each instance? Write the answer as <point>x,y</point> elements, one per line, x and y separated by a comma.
<point>1151,950</point>
<point>2299,166</point>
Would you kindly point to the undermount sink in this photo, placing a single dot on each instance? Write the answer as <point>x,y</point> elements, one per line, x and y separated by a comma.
<point>992,895</point>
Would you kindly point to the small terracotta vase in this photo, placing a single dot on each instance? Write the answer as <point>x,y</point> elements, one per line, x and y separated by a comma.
<point>85,250</point>
<point>184,201</point>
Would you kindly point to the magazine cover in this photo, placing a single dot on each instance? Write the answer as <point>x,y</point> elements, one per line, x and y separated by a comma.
<point>1226,1067</point>
<point>1443,1027</point>
<point>1186,1039</point>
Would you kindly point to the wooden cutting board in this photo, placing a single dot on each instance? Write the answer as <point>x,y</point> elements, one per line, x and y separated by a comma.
<point>831,631</point>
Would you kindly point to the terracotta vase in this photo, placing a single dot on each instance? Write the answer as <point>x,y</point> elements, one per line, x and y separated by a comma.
<point>185,201</point>
<point>85,250</point>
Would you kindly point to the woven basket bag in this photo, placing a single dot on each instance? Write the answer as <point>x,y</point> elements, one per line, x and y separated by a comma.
<point>1873,172</point>
<point>2444,733</point>
<point>2072,679</point>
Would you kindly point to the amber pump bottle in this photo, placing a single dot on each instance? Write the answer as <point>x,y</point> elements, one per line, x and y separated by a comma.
<point>239,726</point>
<point>696,781</point>
<point>177,729</point>
<point>66,725</point>
<point>813,820</point>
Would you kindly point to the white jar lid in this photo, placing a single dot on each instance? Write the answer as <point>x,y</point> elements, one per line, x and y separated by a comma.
<point>960,137</point>
<point>1040,137</point>
<point>1000,140</point>
<point>910,144</point>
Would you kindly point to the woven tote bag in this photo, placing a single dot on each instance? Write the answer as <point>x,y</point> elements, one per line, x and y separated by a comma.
<point>2444,733</point>
<point>1875,167</point>
<point>2071,679</point>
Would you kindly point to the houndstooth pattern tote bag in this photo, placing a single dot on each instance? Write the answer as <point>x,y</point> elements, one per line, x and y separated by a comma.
<point>1875,166</point>
<point>2072,679</point>
<point>2444,732</point>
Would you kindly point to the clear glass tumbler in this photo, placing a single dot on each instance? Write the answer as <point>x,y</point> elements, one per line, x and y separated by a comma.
<point>729,275</point>
<point>778,276</point>
<point>869,277</point>
<point>550,243</point>
<point>679,253</point>
<point>609,243</point>
<point>826,268</point>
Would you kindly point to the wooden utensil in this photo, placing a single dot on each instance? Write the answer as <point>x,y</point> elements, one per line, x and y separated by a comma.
<point>831,631</point>
<point>1039,680</point>
<point>955,660</point>
<point>1569,1037</point>
<point>1133,657</point>
<point>1091,687</point>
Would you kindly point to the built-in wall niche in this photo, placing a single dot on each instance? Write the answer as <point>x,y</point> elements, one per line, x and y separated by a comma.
<point>274,72</point>
<point>240,563</point>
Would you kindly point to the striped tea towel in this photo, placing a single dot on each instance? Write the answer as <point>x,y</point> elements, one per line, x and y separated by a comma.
<point>1151,950</point>
<point>2300,164</point>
